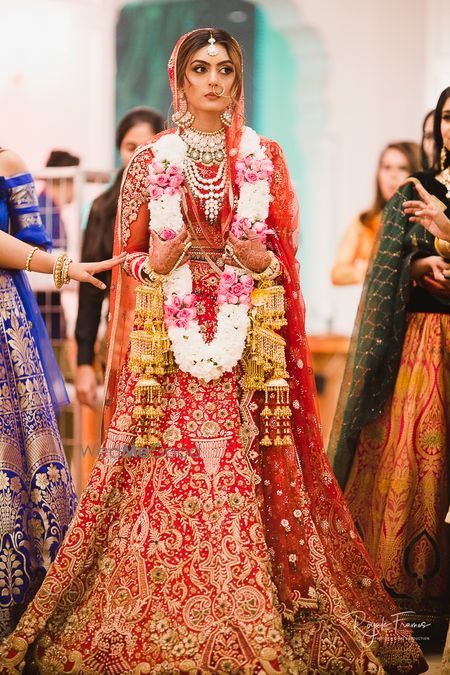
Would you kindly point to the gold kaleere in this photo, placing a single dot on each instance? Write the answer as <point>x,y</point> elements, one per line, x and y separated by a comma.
<point>150,358</point>
<point>265,360</point>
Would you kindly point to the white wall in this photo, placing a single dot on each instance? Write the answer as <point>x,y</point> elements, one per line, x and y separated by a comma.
<point>376,93</point>
<point>57,78</point>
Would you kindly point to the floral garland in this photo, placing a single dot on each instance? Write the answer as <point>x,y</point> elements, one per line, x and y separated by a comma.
<point>208,361</point>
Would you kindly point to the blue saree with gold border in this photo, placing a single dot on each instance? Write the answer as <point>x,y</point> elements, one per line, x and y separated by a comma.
<point>37,498</point>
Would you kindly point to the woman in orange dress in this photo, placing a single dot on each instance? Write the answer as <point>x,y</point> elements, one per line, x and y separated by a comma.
<point>396,163</point>
<point>212,537</point>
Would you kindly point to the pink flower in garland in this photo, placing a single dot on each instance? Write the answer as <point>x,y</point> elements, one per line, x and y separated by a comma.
<point>180,311</point>
<point>259,227</point>
<point>251,170</point>
<point>167,178</point>
<point>234,289</point>
<point>167,234</point>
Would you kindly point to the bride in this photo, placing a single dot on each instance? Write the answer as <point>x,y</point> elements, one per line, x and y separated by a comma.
<point>212,537</point>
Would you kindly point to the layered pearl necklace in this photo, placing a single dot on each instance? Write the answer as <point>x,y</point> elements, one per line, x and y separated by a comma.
<point>206,360</point>
<point>206,148</point>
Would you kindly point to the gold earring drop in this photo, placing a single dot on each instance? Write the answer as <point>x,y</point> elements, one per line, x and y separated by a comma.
<point>443,157</point>
<point>227,116</point>
<point>183,118</point>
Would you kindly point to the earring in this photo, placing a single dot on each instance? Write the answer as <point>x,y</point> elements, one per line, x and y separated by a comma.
<point>227,116</point>
<point>183,118</point>
<point>443,157</point>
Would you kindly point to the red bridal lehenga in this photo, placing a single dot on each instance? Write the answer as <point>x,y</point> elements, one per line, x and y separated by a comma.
<point>216,554</point>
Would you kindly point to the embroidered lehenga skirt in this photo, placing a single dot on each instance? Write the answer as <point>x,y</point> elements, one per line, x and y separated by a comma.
<point>398,489</point>
<point>167,568</point>
<point>37,500</point>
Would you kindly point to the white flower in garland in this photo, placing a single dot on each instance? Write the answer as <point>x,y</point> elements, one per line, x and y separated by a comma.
<point>208,361</point>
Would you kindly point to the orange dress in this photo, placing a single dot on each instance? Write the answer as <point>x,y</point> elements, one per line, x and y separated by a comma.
<point>355,245</point>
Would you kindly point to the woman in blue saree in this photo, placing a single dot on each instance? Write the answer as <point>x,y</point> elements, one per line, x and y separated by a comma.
<point>37,497</point>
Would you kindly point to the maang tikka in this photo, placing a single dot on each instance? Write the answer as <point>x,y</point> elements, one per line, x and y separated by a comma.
<point>212,50</point>
<point>183,118</point>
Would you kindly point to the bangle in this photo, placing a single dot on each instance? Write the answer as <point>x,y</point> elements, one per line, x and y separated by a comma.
<point>61,270</point>
<point>65,270</point>
<point>149,276</point>
<point>272,270</point>
<point>442,247</point>
<point>29,256</point>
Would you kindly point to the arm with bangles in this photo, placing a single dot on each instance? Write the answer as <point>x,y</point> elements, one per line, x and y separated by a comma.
<point>16,255</point>
<point>146,253</point>
<point>148,256</point>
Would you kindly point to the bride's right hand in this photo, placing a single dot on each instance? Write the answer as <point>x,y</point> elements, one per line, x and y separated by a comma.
<point>163,255</point>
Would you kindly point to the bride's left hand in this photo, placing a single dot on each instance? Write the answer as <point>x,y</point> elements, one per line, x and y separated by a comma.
<point>250,252</point>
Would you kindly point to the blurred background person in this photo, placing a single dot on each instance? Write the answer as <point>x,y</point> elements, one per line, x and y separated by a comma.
<point>391,440</point>
<point>396,163</point>
<point>137,127</point>
<point>427,147</point>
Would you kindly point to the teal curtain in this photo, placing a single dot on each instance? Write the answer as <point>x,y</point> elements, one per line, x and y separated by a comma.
<point>146,34</point>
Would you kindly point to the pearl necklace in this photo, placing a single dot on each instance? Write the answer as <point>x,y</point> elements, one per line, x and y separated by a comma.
<point>207,149</point>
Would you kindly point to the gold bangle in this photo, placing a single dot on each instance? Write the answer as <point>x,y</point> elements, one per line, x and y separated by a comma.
<point>442,247</point>
<point>149,276</point>
<point>65,270</point>
<point>272,270</point>
<point>57,270</point>
<point>29,256</point>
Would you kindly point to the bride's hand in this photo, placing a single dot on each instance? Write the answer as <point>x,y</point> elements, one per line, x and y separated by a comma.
<point>164,255</point>
<point>426,212</point>
<point>85,271</point>
<point>250,252</point>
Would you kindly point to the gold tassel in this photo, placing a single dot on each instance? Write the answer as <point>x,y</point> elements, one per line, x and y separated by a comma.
<point>150,357</point>
<point>265,361</point>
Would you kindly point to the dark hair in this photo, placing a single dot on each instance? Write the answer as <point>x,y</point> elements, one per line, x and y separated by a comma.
<point>423,154</point>
<point>149,116</point>
<point>60,158</point>
<point>198,39</point>
<point>411,151</point>
<point>437,130</point>
<point>99,244</point>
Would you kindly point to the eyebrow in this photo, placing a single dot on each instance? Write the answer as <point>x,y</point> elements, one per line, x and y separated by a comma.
<point>206,63</point>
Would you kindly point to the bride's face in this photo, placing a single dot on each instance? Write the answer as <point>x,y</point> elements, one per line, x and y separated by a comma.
<point>208,80</point>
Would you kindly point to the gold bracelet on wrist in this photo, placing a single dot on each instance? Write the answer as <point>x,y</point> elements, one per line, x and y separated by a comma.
<point>58,270</point>
<point>149,276</point>
<point>65,270</point>
<point>29,256</point>
<point>152,277</point>
<point>442,247</point>
<point>272,270</point>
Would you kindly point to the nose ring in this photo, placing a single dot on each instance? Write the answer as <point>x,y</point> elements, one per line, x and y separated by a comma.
<point>214,89</point>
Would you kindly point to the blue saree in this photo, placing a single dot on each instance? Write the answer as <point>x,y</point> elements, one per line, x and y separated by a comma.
<point>37,498</point>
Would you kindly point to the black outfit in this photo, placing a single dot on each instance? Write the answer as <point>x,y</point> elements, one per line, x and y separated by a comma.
<point>98,244</point>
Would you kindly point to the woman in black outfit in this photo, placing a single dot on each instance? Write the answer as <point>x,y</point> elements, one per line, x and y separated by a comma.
<point>136,128</point>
